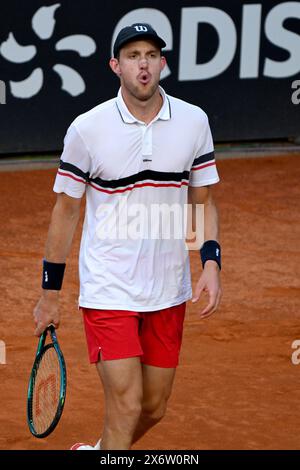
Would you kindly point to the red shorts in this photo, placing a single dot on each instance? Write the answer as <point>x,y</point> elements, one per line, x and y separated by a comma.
<point>118,334</point>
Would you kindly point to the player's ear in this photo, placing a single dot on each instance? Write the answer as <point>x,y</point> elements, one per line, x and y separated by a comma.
<point>163,63</point>
<point>114,65</point>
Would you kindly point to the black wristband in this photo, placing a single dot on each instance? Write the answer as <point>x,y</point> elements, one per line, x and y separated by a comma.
<point>53,274</point>
<point>211,250</point>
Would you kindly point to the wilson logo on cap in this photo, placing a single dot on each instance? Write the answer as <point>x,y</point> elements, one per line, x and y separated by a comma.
<point>140,28</point>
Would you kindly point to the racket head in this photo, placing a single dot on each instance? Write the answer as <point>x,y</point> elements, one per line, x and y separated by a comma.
<point>47,387</point>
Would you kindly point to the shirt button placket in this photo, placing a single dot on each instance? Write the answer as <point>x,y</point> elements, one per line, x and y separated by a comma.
<point>147,141</point>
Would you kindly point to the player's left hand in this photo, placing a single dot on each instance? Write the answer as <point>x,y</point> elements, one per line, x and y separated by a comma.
<point>209,282</point>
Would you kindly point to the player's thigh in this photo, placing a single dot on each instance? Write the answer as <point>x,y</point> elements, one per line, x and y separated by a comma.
<point>157,387</point>
<point>122,380</point>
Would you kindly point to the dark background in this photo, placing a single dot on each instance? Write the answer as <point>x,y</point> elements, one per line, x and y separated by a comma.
<point>239,109</point>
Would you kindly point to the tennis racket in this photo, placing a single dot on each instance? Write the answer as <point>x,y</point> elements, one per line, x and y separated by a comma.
<point>47,386</point>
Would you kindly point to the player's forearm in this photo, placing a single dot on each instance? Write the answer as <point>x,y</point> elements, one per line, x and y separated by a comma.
<point>211,221</point>
<point>62,227</point>
<point>203,196</point>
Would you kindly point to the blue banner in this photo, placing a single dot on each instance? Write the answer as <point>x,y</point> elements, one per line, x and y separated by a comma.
<point>239,61</point>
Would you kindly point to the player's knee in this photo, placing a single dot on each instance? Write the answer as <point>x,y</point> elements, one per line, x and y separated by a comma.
<point>131,409</point>
<point>153,416</point>
<point>154,410</point>
<point>128,405</point>
<point>123,418</point>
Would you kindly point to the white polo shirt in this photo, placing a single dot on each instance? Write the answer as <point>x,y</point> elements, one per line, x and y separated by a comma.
<point>125,166</point>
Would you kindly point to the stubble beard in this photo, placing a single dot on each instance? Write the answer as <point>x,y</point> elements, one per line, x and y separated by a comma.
<point>141,93</point>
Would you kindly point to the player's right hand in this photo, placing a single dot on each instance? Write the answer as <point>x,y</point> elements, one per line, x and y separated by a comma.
<point>46,311</point>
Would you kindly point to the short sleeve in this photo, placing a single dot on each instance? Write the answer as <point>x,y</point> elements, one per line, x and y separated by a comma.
<point>75,164</point>
<point>204,171</point>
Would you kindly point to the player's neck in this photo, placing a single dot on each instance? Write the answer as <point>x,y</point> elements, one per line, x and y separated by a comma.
<point>144,111</point>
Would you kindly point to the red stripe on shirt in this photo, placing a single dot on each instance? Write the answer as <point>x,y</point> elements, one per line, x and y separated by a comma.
<point>70,176</point>
<point>159,185</point>
<point>203,166</point>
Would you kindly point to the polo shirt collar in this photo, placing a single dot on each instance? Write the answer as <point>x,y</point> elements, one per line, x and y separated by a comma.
<point>164,112</point>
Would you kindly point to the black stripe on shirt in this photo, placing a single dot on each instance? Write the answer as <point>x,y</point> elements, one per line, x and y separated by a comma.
<point>75,170</point>
<point>140,177</point>
<point>204,158</point>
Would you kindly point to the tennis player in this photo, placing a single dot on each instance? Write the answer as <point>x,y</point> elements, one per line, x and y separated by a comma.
<point>141,149</point>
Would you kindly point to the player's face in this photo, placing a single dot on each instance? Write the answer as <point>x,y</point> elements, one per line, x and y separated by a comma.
<point>139,68</point>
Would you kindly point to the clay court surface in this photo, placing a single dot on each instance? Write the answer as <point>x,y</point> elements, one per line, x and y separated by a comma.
<point>236,387</point>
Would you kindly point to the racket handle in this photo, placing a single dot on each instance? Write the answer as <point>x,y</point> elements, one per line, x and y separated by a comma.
<point>41,341</point>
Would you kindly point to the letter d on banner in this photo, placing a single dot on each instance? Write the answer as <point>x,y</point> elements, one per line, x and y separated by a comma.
<point>225,28</point>
<point>2,92</point>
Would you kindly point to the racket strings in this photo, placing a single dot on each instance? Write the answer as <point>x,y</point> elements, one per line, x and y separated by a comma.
<point>46,393</point>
